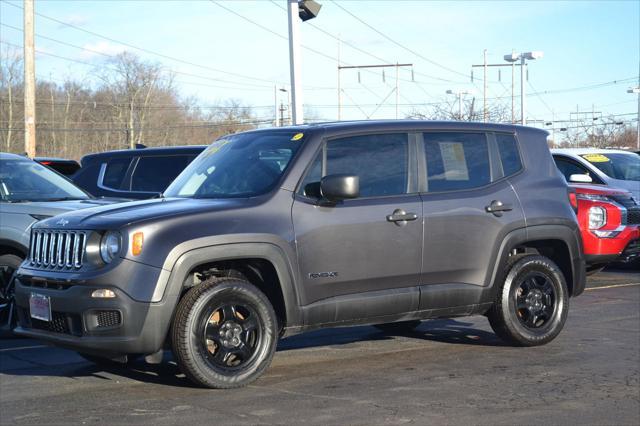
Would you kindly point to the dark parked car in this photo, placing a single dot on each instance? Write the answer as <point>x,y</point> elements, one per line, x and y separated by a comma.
<point>274,232</point>
<point>136,173</point>
<point>61,165</point>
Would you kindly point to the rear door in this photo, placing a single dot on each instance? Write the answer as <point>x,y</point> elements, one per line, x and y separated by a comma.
<point>355,256</point>
<point>469,206</point>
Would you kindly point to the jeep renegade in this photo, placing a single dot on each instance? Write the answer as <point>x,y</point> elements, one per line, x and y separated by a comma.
<point>274,232</point>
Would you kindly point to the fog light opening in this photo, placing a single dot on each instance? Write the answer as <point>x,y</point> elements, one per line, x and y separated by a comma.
<point>103,293</point>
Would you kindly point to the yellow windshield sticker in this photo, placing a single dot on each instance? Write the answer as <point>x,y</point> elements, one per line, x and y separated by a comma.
<point>596,158</point>
<point>297,137</point>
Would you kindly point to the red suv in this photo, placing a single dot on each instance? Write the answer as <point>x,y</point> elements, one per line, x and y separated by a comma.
<point>610,223</point>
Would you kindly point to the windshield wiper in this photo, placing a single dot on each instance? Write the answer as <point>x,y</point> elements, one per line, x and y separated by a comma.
<point>64,199</point>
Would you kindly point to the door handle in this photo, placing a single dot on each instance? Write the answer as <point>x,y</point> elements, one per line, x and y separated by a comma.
<point>498,207</point>
<point>400,217</point>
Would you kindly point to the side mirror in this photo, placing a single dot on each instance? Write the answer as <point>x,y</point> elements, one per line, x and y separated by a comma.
<point>339,187</point>
<point>580,178</point>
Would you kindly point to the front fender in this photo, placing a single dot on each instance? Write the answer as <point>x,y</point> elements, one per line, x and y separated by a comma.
<point>189,255</point>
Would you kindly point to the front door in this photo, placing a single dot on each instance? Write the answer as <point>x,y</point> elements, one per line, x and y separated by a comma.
<point>368,248</point>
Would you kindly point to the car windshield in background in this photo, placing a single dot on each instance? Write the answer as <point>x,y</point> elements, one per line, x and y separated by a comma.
<point>24,180</point>
<point>617,166</point>
<point>238,166</point>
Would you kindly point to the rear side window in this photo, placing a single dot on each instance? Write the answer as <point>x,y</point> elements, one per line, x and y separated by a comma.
<point>456,161</point>
<point>380,161</point>
<point>154,174</point>
<point>115,171</point>
<point>509,154</point>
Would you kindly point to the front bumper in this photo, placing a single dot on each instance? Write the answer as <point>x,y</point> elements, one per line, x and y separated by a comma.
<point>105,327</point>
<point>604,250</point>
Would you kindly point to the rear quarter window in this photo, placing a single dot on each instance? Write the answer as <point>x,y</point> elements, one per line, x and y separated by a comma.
<point>509,153</point>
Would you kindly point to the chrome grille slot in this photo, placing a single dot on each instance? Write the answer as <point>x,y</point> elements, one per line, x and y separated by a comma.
<point>57,249</point>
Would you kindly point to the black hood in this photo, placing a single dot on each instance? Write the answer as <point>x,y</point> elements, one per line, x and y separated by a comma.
<point>116,216</point>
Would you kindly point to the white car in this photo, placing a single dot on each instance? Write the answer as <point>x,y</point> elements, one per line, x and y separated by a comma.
<point>612,167</point>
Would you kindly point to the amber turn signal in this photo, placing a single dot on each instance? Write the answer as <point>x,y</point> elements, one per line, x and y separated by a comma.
<point>136,243</point>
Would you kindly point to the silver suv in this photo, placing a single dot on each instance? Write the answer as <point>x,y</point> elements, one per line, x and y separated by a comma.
<point>29,192</point>
<point>278,231</point>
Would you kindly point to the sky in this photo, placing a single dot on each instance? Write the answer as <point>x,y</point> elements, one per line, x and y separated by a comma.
<point>238,49</point>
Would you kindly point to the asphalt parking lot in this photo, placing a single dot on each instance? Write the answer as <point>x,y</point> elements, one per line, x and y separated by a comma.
<point>447,372</point>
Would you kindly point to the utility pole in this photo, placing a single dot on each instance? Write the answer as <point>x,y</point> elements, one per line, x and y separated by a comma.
<point>513,100</point>
<point>339,86</point>
<point>484,94</point>
<point>29,81</point>
<point>637,90</point>
<point>275,105</point>
<point>294,61</point>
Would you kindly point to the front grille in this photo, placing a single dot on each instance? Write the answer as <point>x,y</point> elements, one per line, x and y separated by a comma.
<point>624,200</point>
<point>633,216</point>
<point>108,319</point>
<point>57,249</point>
<point>61,322</point>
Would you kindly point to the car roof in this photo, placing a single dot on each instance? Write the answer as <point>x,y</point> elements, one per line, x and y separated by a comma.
<point>163,150</point>
<point>381,125</point>
<point>9,156</point>
<point>582,151</point>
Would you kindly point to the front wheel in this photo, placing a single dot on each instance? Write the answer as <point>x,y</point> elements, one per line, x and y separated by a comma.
<point>224,333</point>
<point>9,263</point>
<point>532,303</point>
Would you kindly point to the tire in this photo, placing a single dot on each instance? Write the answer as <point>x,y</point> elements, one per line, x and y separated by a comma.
<point>398,327</point>
<point>8,264</point>
<point>224,333</point>
<point>532,302</point>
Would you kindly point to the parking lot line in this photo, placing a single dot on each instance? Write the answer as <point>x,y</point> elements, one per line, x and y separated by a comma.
<point>612,286</point>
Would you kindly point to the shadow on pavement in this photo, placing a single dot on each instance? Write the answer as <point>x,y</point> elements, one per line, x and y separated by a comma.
<point>39,361</point>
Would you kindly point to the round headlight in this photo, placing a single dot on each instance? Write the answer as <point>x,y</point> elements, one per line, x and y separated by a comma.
<point>110,246</point>
<point>597,217</point>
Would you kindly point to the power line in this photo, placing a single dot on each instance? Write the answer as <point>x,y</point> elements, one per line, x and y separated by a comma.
<point>145,50</point>
<point>431,61</point>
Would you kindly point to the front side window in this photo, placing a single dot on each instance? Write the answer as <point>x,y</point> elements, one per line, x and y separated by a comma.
<point>380,161</point>
<point>456,161</point>
<point>25,180</point>
<point>242,165</point>
<point>155,173</point>
<point>568,168</point>
<point>616,165</point>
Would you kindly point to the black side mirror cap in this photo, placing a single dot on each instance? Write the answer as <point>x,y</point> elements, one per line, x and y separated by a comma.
<point>340,187</point>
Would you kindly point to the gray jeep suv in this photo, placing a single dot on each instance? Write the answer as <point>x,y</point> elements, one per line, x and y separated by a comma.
<point>274,232</point>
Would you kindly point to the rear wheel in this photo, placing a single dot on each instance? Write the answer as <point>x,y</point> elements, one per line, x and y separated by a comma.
<point>398,327</point>
<point>224,333</point>
<point>532,303</point>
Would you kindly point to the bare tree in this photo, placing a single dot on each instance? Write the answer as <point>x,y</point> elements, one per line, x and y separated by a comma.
<point>11,77</point>
<point>449,109</point>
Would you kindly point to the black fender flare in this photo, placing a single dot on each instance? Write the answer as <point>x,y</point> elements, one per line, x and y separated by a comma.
<point>562,233</point>
<point>170,283</point>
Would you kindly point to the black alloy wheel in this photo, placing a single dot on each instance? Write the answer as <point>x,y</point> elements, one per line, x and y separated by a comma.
<point>230,335</point>
<point>535,300</point>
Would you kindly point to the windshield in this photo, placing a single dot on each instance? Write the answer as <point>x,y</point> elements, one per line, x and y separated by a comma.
<point>243,165</point>
<point>617,166</point>
<point>25,180</point>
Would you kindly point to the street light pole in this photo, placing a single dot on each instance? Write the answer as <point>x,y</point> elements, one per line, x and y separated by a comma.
<point>637,91</point>
<point>523,99</point>
<point>513,57</point>
<point>294,61</point>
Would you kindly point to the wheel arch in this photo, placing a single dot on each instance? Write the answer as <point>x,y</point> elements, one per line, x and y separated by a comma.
<point>254,261</point>
<point>557,242</point>
<point>12,247</point>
